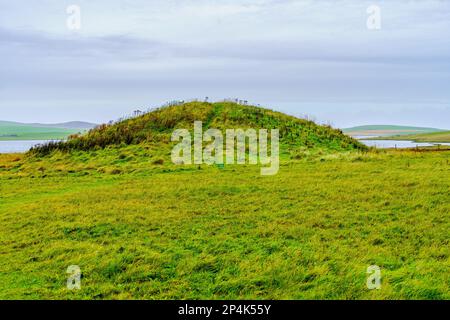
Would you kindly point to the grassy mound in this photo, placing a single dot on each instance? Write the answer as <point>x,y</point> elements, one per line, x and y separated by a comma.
<point>158,125</point>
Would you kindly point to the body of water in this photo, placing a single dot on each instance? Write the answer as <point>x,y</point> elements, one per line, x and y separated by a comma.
<point>22,146</point>
<point>19,146</point>
<point>400,144</point>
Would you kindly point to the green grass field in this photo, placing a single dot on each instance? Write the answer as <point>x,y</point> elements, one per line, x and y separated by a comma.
<point>386,130</point>
<point>11,131</point>
<point>425,137</point>
<point>140,229</point>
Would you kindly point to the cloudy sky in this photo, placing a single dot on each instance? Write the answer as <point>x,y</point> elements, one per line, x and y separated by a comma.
<point>316,58</point>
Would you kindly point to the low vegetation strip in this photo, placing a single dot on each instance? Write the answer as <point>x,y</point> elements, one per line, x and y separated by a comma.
<point>386,130</point>
<point>11,132</point>
<point>437,137</point>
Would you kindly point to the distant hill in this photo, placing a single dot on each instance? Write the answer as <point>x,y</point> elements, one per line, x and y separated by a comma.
<point>65,125</point>
<point>387,130</point>
<point>157,126</point>
<point>37,131</point>
<point>68,125</point>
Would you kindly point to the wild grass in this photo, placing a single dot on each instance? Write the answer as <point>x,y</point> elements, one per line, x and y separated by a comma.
<point>142,228</point>
<point>157,126</point>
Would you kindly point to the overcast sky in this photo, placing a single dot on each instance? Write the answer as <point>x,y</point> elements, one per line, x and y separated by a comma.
<point>302,57</point>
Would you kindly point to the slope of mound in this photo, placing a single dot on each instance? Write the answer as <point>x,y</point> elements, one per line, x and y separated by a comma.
<point>157,126</point>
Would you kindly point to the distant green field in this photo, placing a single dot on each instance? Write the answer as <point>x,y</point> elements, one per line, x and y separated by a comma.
<point>12,131</point>
<point>425,137</point>
<point>387,130</point>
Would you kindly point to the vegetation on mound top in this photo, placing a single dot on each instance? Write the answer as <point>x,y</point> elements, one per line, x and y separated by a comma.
<point>157,126</point>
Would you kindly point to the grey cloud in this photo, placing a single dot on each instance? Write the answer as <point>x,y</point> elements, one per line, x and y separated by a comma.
<point>322,57</point>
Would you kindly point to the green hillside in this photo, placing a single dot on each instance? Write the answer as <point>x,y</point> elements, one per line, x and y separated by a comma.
<point>18,131</point>
<point>158,125</point>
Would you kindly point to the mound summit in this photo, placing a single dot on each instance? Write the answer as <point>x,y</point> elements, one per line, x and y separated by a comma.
<point>156,127</point>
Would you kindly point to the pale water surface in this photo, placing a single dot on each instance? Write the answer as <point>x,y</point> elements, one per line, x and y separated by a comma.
<point>19,146</point>
<point>400,144</point>
<point>22,146</point>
